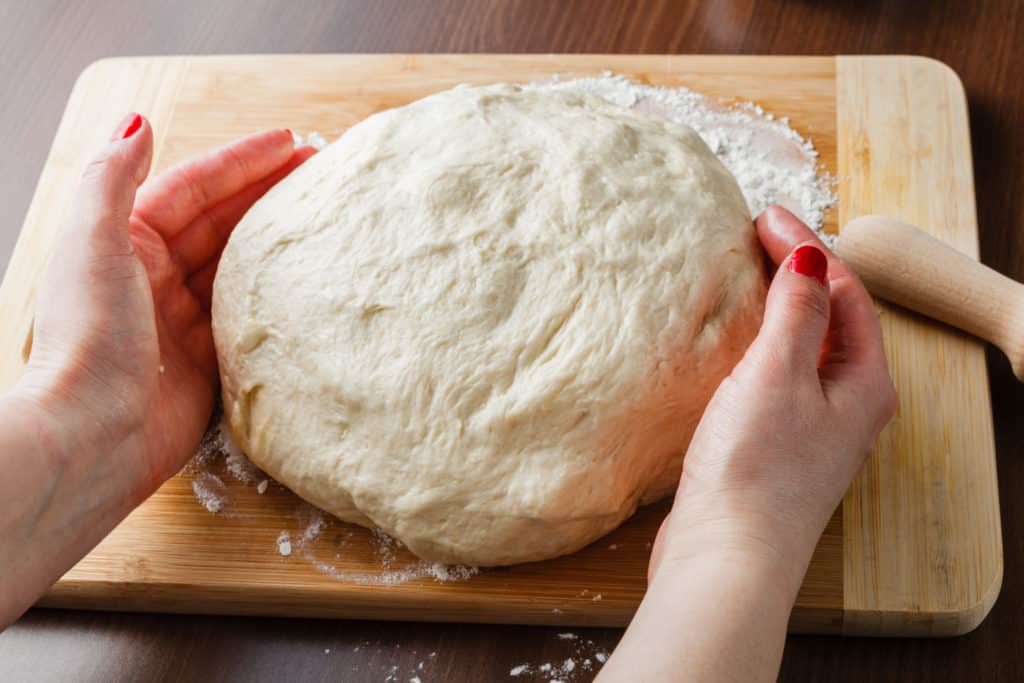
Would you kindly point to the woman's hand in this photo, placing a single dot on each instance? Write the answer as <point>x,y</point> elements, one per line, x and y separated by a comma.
<point>787,431</point>
<point>122,375</point>
<point>122,329</point>
<point>775,451</point>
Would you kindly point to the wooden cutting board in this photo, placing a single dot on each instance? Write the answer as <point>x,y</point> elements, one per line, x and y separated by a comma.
<point>915,548</point>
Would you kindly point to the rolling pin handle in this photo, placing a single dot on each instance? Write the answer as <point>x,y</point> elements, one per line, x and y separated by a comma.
<point>911,268</point>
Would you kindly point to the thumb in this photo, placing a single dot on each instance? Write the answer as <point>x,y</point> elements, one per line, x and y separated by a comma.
<point>106,193</point>
<point>93,262</point>
<point>797,310</point>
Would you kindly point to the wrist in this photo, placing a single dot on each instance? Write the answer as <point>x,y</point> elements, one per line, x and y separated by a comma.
<point>738,543</point>
<point>77,432</point>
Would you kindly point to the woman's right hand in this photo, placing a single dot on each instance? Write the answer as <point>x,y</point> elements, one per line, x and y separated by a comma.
<point>791,426</point>
<point>774,453</point>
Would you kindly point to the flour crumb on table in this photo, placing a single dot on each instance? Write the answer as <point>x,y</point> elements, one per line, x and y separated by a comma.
<point>577,664</point>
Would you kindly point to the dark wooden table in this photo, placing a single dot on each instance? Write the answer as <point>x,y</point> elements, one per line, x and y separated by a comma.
<point>45,43</point>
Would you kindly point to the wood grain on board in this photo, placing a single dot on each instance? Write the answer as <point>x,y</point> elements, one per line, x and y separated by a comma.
<point>922,544</point>
<point>915,547</point>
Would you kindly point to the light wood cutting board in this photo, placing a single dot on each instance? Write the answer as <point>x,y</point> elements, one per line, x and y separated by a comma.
<point>915,548</point>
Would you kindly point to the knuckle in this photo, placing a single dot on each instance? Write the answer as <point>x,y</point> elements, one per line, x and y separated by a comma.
<point>809,302</point>
<point>196,188</point>
<point>241,163</point>
<point>96,168</point>
<point>102,167</point>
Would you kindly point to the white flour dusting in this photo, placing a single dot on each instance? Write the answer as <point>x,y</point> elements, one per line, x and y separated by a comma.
<point>314,140</point>
<point>219,461</point>
<point>771,161</point>
<point>580,662</point>
<point>284,543</point>
<point>209,490</point>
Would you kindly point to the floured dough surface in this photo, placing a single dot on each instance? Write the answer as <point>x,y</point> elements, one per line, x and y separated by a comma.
<point>487,322</point>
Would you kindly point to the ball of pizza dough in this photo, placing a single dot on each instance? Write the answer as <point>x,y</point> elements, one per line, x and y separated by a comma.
<point>489,321</point>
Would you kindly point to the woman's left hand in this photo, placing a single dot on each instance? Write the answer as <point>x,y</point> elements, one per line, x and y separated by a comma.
<point>122,330</point>
<point>122,374</point>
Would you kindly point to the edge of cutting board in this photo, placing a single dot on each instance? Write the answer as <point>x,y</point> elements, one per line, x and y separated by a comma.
<point>912,160</point>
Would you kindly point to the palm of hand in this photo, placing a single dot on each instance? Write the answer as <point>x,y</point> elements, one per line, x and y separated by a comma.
<point>123,318</point>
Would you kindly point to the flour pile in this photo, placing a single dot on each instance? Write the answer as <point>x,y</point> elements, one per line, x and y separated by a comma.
<point>771,161</point>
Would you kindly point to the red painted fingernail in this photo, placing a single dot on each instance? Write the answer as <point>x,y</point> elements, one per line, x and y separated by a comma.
<point>128,127</point>
<point>810,262</point>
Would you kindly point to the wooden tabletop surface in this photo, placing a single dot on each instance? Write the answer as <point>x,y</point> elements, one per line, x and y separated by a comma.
<point>46,43</point>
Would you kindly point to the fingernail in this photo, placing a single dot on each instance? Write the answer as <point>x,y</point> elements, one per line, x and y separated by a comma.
<point>128,127</point>
<point>809,261</point>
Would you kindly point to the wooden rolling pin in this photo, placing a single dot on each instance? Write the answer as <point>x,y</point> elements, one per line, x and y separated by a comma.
<point>911,268</point>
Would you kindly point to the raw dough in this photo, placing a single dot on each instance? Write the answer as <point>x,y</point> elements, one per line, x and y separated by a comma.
<point>487,322</point>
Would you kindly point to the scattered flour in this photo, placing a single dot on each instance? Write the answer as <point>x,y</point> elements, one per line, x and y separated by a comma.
<point>314,140</point>
<point>219,463</point>
<point>240,467</point>
<point>771,161</point>
<point>578,665</point>
<point>209,490</point>
<point>284,543</point>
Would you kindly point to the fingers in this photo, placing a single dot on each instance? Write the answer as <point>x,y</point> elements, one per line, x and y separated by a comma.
<point>780,232</point>
<point>853,364</point>
<point>179,195</point>
<point>796,316</point>
<point>108,187</point>
<point>204,238</point>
